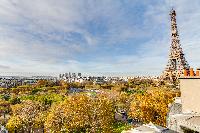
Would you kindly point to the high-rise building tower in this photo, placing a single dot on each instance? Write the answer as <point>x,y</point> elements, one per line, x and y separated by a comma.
<point>176,62</point>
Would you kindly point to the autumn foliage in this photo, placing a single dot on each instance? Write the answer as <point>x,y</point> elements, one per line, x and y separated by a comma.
<point>81,113</point>
<point>152,106</point>
<point>26,116</point>
<point>51,107</point>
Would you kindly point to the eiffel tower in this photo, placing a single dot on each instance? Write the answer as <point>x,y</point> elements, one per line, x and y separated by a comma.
<point>176,61</point>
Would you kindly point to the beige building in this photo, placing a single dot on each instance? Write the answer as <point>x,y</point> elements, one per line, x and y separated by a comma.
<point>190,94</point>
<point>184,114</point>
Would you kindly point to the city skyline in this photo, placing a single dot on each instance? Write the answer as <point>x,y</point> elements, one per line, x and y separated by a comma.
<point>94,37</point>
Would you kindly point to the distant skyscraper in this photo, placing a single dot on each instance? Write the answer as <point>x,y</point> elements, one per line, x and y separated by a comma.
<point>60,75</point>
<point>176,62</point>
<point>66,74</point>
<point>73,75</point>
<point>79,74</point>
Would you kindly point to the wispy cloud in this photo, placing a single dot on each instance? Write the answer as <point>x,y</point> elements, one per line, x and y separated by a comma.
<point>91,36</point>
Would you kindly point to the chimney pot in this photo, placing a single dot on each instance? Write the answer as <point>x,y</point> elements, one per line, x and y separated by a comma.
<point>191,72</point>
<point>185,72</point>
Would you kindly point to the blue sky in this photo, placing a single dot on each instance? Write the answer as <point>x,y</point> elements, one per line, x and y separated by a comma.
<point>95,37</point>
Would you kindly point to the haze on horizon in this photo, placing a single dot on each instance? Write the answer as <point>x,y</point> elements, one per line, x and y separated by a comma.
<point>107,37</point>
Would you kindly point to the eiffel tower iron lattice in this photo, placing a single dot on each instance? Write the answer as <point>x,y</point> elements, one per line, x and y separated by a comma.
<point>176,62</point>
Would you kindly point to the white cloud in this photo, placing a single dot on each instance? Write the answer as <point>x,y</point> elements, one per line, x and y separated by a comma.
<point>37,36</point>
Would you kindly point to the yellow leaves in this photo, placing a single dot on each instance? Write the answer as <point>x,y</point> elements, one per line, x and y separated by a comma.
<point>40,119</point>
<point>152,106</point>
<point>16,109</point>
<point>4,106</point>
<point>3,102</point>
<point>81,113</point>
<point>26,115</point>
<point>14,123</point>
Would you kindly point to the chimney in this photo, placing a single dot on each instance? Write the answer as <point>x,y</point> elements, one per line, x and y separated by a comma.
<point>186,72</point>
<point>191,72</point>
<point>197,72</point>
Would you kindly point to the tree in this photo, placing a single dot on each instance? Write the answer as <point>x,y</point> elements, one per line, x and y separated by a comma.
<point>152,106</point>
<point>4,108</point>
<point>81,113</point>
<point>123,101</point>
<point>26,116</point>
<point>45,83</point>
